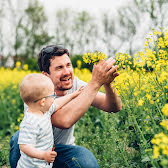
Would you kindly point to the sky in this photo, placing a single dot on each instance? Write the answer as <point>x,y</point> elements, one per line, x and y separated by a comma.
<point>90,5</point>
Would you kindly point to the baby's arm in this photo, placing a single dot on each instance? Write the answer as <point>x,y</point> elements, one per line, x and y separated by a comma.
<point>30,150</point>
<point>61,101</point>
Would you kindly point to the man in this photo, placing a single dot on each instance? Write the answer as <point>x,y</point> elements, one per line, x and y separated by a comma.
<point>55,63</point>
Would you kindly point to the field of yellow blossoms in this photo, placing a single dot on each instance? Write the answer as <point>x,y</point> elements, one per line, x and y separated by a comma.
<point>137,136</point>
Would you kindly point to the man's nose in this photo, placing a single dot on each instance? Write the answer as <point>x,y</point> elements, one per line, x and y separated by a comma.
<point>66,71</point>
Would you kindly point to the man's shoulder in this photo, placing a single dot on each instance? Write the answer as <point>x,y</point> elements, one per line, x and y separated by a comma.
<point>77,83</point>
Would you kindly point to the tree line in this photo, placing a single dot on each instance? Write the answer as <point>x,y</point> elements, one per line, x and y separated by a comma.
<point>80,32</point>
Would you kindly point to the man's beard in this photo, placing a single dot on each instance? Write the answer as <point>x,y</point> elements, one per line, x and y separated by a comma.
<point>64,88</point>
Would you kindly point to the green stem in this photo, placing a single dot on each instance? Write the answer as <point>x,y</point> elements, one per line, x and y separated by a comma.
<point>152,162</point>
<point>157,83</point>
<point>122,153</point>
<point>151,117</point>
<point>159,111</point>
<point>136,124</point>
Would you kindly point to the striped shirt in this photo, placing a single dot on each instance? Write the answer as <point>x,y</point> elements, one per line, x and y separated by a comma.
<point>37,131</point>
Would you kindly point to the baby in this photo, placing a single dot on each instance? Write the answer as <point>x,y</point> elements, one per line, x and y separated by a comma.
<point>36,136</point>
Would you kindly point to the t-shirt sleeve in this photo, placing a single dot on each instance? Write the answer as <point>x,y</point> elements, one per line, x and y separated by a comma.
<point>53,108</point>
<point>79,83</point>
<point>27,134</point>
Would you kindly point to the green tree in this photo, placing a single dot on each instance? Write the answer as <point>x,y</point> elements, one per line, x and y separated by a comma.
<point>85,31</point>
<point>1,27</point>
<point>110,29</point>
<point>31,33</point>
<point>138,18</point>
<point>63,29</point>
<point>128,21</point>
<point>156,11</point>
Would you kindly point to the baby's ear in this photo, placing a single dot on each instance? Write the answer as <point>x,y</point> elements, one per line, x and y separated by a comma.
<point>42,102</point>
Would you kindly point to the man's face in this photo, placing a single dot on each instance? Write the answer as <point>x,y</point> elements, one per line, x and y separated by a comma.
<point>61,73</point>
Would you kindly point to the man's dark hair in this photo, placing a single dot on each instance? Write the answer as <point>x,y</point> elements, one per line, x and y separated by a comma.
<point>47,53</point>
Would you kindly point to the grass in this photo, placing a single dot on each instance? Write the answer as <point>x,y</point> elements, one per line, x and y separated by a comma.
<point>4,152</point>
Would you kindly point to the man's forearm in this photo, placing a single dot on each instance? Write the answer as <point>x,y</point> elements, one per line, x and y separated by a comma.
<point>112,101</point>
<point>75,109</point>
<point>108,101</point>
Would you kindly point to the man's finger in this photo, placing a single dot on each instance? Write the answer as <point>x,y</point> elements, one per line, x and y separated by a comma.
<point>110,64</point>
<point>116,74</point>
<point>112,70</point>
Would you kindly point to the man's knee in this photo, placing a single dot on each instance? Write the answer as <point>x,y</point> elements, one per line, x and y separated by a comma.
<point>84,158</point>
<point>14,139</point>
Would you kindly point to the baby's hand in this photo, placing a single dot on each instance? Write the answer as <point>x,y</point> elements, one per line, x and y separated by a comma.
<point>78,91</point>
<point>49,156</point>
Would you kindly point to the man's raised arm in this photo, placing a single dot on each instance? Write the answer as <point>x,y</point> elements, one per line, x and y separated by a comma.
<point>110,101</point>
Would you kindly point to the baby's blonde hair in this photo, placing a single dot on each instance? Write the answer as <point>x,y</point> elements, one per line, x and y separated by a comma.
<point>34,86</point>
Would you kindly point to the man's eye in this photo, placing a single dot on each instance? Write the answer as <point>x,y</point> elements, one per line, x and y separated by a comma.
<point>58,68</point>
<point>69,65</point>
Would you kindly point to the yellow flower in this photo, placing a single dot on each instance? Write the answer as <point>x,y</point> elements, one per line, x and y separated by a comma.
<point>165,151</point>
<point>13,101</point>
<point>164,124</point>
<point>79,63</point>
<point>16,127</point>
<point>94,57</point>
<point>157,100</point>
<point>140,102</point>
<point>164,140</point>
<point>135,93</point>
<point>165,109</point>
<point>25,67</point>
<point>151,102</point>
<point>18,120</point>
<point>156,141</point>
<point>21,115</point>
<point>149,97</point>
<point>142,88</point>
<point>155,152</point>
<point>18,64</point>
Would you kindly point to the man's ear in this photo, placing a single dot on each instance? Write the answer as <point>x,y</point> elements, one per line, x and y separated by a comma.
<point>45,73</point>
<point>42,102</point>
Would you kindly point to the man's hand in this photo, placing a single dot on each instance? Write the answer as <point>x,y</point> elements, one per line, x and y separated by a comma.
<point>49,156</point>
<point>112,75</point>
<point>104,72</point>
